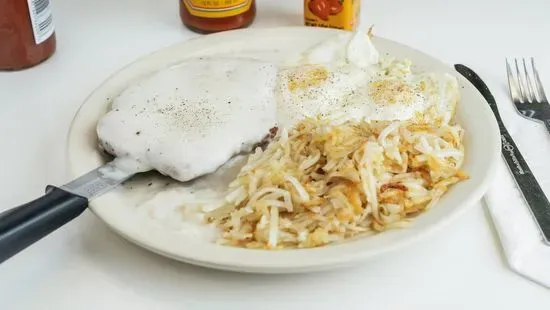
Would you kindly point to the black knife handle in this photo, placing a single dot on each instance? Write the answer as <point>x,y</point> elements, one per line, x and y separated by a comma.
<point>28,223</point>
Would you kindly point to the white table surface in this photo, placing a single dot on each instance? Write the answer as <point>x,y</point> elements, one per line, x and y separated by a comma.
<point>86,266</point>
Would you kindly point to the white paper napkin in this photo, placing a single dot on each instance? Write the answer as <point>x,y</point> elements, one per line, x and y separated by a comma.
<point>517,229</point>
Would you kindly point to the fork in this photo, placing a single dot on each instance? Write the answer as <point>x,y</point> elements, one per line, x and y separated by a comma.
<point>527,92</point>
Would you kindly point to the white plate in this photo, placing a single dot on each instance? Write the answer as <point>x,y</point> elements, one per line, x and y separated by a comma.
<point>118,209</point>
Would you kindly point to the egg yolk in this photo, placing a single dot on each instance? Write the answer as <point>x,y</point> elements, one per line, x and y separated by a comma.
<point>392,92</point>
<point>309,78</point>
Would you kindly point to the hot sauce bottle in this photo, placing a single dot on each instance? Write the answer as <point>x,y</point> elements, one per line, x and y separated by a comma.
<point>207,16</point>
<point>340,14</point>
<point>27,35</point>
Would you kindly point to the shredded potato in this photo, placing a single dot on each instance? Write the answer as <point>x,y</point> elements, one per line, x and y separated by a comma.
<point>321,183</point>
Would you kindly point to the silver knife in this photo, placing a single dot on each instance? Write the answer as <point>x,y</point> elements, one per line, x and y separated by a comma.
<point>28,223</point>
<point>529,187</point>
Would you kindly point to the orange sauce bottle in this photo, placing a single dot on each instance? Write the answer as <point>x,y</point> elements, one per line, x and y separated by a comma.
<point>207,16</point>
<point>340,14</point>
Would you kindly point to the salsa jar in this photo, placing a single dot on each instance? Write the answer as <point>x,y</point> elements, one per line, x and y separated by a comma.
<point>208,16</point>
<point>27,34</point>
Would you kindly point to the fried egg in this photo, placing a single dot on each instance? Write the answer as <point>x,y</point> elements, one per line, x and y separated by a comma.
<point>418,97</point>
<point>346,78</point>
<point>324,77</point>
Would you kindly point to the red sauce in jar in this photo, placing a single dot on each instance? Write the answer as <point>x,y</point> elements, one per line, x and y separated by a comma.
<point>217,15</point>
<point>27,35</point>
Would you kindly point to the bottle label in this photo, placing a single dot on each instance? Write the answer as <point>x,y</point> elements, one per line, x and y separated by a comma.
<point>41,19</point>
<point>217,8</point>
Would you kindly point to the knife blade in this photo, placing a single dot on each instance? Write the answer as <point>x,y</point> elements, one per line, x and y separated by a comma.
<point>97,182</point>
<point>30,222</point>
<point>528,185</point>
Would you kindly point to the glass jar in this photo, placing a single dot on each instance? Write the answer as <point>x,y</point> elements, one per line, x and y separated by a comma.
<point>208,16</point>
<point>27,35</point>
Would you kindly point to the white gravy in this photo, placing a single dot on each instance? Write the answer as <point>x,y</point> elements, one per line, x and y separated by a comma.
<point>189,119</point>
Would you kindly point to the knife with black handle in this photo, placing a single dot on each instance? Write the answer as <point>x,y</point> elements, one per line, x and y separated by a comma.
<point>24,225</point>
<point>529,187</point>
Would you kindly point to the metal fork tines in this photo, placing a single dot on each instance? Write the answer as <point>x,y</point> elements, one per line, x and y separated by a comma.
<point>527,92</point>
